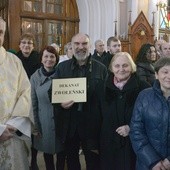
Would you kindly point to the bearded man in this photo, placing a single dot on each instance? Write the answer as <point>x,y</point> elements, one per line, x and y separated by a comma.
<point>80,123</point>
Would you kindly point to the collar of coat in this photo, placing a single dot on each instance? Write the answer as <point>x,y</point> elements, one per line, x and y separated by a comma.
<point>129,92</point>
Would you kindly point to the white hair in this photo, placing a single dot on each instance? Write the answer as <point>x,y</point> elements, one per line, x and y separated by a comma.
<point>56,46</point>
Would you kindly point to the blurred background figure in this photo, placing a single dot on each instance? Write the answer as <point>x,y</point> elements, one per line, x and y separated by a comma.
<point>44,130</point>
<point>27,54</point>
<point>150,130</point>
<point>56,46</point>
<point>158,44</point>
<point>121,90</point>
<point>144,61</point>
<point>99,52</point>
<point>165,49</point>
<point>113,47</point>
<point>67,51</point>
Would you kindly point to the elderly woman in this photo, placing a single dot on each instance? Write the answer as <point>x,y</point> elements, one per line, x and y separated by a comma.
<point>150,124</point>
<point>67,51</point>
<point>121,90</point>
<point>44,132</point>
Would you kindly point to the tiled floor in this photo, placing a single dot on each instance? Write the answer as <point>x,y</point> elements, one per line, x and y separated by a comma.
<point>42,165</point>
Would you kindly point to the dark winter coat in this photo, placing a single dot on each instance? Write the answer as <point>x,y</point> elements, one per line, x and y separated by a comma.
<point>88,120</point>
<point>116,151</point>
<point>99,58</point>
<point>107,59</point>
<point>146,72</point>
<point>31,63</point>
<point>150,128</point>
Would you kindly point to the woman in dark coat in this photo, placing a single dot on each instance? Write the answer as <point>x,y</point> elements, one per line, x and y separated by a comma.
<point>28,56</point>
<point>144,61</point>
<point>122,88</point>
<point>150,124</point>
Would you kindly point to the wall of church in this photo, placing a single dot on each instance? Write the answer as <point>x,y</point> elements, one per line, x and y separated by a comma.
<point>97,17</point>
<point>144,6</point>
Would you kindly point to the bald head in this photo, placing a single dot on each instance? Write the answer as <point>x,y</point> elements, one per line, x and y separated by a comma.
<point>80,35</point>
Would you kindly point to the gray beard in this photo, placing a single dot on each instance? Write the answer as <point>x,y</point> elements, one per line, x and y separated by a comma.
<point>81,58</point>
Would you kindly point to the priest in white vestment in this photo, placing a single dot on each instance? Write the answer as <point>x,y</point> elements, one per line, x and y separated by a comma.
<point>15,109</point>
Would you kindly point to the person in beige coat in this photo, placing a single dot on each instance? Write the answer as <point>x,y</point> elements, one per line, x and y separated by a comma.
<point>15,109</point>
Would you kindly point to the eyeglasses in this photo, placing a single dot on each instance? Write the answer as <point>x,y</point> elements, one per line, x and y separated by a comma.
<point>25,42</point>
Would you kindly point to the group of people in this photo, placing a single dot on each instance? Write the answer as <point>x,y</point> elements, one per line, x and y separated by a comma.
<point>123,125</point>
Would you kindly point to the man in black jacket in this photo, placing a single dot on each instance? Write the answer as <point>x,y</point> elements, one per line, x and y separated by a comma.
<point>79,123</point>
<point>99,52</point>
<point>113,47</point>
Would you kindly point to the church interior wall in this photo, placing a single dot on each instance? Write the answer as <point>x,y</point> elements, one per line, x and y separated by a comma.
<point>97,17</point>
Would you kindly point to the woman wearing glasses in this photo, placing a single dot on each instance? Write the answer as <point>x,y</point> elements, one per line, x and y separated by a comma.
<point>27,54</point>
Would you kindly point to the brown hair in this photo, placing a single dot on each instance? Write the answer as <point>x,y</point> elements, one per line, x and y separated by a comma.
<point>110,39</point>
<point>28,36</point>
<point>50,49</point>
